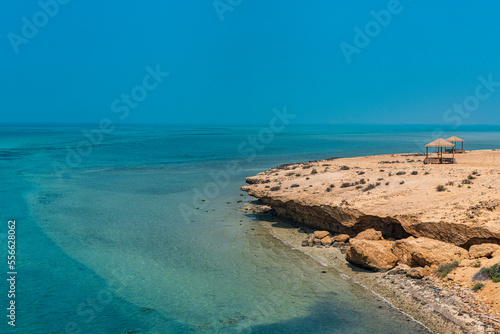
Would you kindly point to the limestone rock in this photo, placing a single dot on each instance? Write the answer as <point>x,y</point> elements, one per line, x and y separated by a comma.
<point>317,241</point>
<point>326,241</point>
<point>483,250</point>
<point>370,254</point>
<point>400,269</point>
<point>415,272</point>
<point>423,252</point>
<point>343,238</point>
<point>458,216</point>
<point>369,234</point>
<point>321,234</point>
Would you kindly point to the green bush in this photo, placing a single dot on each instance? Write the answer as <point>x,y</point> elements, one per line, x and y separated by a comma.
<point>344,168</point>
<point>446,268</point>
<point>477,286</point>
<point>345,185</point>
<point>314,171</point>
<point>477,264</point>
<point>493,272</point>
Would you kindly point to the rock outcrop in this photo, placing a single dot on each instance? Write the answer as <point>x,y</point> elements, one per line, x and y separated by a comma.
<point>394,194</point>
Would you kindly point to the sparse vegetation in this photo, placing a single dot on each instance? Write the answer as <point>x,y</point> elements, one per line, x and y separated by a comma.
<point>471,177</point>
<point>402,182</point>
<point>466,181</point>
<point>493,272</point>
<point>446,268</point>
<point>371,186</point>
<point>289,174</point>
<point>359,187</point>
<point>414,172</point>
<point>450,183</point>
<point>477,287</point>
<point>426,173</point>
<point>440,188</point>
<point>387,183</point>
<point>295,185</point>
<point>344,168</point>
<point>276,188</point>
<point>362,181</point>
<point>361,172</point>
<point>401,173</point>
<point>477,264</point>
<point>314,171</point>
<point>345,185</point>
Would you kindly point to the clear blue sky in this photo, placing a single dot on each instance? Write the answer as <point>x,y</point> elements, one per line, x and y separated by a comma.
<point>262,55</point>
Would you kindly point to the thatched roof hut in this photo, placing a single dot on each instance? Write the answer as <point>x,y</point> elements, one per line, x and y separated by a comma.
<point>440,143</point>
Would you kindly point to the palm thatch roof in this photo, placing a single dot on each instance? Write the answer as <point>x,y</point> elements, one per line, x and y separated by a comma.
<point>440,143</point>
<point>454,139</point>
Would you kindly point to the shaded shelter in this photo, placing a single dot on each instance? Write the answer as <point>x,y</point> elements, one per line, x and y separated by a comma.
<point>455,140</point>
<point>441,144</point>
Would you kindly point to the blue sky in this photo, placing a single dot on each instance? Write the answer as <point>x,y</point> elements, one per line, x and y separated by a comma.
<point>233,61</point>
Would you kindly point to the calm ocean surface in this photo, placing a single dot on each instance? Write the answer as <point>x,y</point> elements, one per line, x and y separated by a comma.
<point>117,238</point>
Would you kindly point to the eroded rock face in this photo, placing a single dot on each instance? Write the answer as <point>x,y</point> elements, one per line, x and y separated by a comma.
<point>421,252</point>
<point>369,234</point>
<point>336,219</point>
<point>370,254</point>
<point>483,250</point>
<point>401,204</point>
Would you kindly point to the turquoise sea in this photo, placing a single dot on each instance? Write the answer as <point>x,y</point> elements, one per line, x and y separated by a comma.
<point>113,235</point>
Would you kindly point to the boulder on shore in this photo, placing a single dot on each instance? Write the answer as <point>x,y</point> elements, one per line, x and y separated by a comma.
<point>483,250</point>
<point>369,234</point>
<point>321,234</point>
<point>326,241</point>
<point>342,238</point>
<point>421,252</point>
<point>371,254</point>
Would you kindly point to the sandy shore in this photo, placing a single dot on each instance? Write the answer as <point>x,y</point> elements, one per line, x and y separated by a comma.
<point>425,300</point>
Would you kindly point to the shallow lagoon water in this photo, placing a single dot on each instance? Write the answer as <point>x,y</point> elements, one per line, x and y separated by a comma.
<point>122,241</point>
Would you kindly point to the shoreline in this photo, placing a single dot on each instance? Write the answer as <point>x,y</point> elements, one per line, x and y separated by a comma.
<point>420,217</point>
<point>416,299</point>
